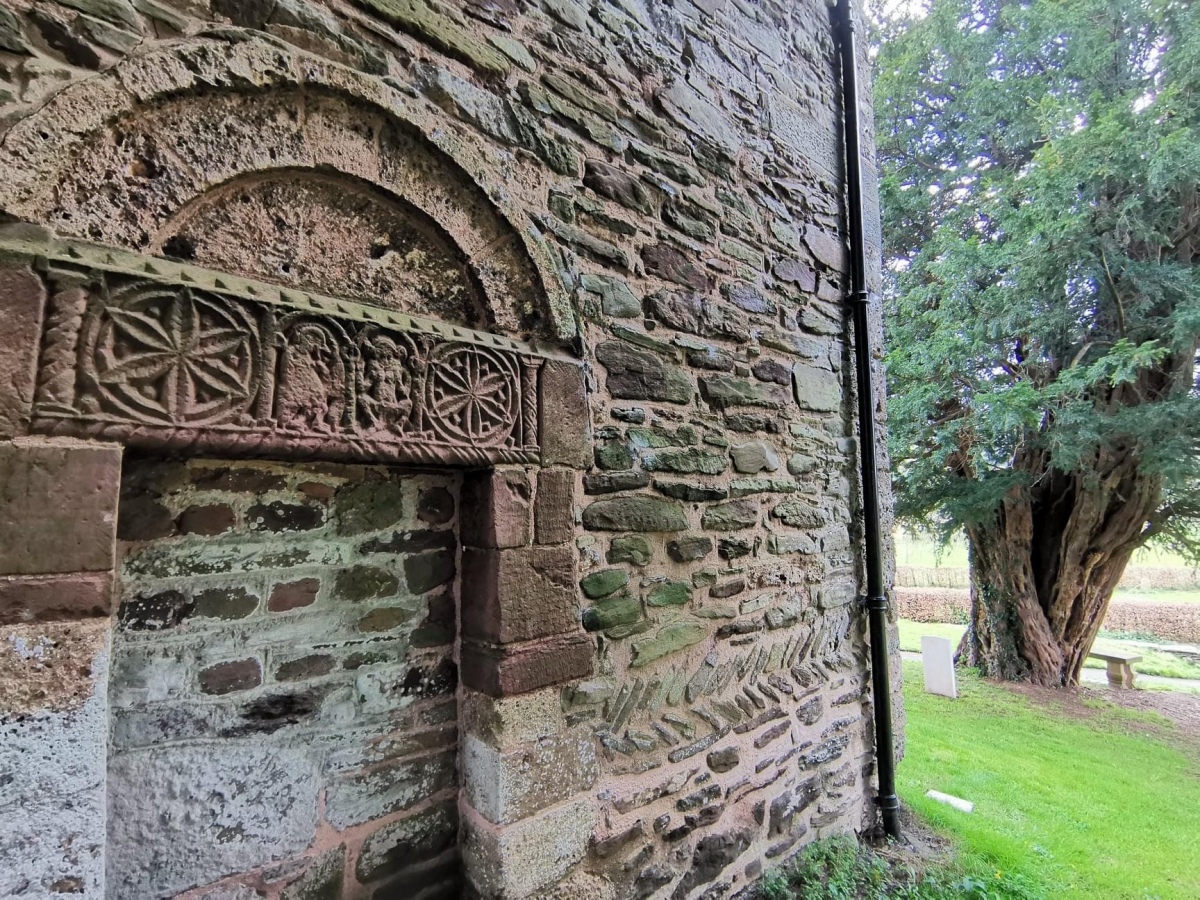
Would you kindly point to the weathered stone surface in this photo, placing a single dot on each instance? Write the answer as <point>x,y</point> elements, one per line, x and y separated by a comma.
<point>669,262</point>
<point>712,359</point>
<point>389,788</point>
<point>731,516</point>
<point>612,612</point>
<point>603,583</point>
<point>22,300</point>
<point>689,461</point>
<point>782,544</point>
<point>734,548</point>
<point>505,785</point>
<point>630,548</point>
<point>565,439</point>
<point>518,594</point>
<point>616,298</point>
<point>798,272</point>
<point>224,603</point>
<point>722,761</point>
<point>239,807</point>
<point>723,391</point>
<point>615,482</point>
<point>753,457</point>
<point>293,594</point>
<point>689,549</point>
<point>531,854</point>
<point>609,181</point>
<point>692,493</point>
<point>435,506</point>
<point>816,389</point>
<point>666,640</point>
<point>421,20</point>
<point>634,513</point>
<point>425,571</point>
<point>670,593</point>
<point>831,251</point>
<point>418,837</point>
<point>726,589</point>
<point>773,371</point>
<point>554,509</point>
<point>359,583</point>
<point>638,375</point>
<point>322,880</point>
<point>697,314</point>
<point>497,508</point>
<point>800,513</point>
<point>614,455</point>
<point>74,533</point>
<point>368,506</point>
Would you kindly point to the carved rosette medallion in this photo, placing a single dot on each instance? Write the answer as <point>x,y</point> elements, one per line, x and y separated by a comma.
<point>160,355</point>
<point>471,394</point>
<point>168,357</point>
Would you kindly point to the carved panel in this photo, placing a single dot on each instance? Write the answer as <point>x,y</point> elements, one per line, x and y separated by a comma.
<point>153,353</point>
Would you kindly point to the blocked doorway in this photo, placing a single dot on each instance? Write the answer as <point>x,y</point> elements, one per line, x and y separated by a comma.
<point>283,696</point>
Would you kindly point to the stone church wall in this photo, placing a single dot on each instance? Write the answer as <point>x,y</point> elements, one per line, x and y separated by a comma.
<point>627,215</point>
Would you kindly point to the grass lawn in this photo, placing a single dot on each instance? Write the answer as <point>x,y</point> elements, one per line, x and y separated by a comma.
<point>1154,662</point>
<point>1094,806</point>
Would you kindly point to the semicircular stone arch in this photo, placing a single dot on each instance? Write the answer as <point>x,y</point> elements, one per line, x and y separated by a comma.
<point>345,189</point>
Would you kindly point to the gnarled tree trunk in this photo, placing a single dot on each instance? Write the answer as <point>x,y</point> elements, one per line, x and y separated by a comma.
<point>1044,568</point>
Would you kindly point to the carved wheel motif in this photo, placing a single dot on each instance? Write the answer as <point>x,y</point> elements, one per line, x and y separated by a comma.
<point>172,357</point>
<point>472,395</point>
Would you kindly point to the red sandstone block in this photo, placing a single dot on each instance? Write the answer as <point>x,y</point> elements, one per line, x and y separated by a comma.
<point>554,509</point>
<point>293,594</point>
<point>207,520</point>
<point>519,668</point>
<point>41,598</point>
<point>518,594</point>
<point>58,506</point>
<point>225,678</point>
<point>22,305</point>
<point>497,506</point>
<point>565,430</point>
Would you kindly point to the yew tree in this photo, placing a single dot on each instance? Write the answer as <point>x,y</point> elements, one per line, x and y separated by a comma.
<point>1040,168</point>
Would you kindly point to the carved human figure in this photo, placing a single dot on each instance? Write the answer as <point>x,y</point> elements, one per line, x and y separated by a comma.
<point>385,386</point>
<point>311,390</point>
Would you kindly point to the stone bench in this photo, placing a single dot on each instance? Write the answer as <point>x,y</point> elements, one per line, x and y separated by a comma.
<point>1120,667</point>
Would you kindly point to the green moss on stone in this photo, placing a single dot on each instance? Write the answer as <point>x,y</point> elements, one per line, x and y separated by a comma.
<point>672,593</point>
<point>630,548</point>
<point>668,639</point>
<point>611,612</point>
<point>603,583</point>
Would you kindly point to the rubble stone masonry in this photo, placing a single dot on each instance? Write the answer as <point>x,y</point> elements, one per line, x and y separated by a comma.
<point>427,449</point>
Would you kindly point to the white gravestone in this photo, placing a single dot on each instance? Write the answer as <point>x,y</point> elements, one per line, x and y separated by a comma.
<point>937,656</point>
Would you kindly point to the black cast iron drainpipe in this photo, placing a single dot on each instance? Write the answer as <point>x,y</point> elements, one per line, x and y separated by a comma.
<point>859,299</point>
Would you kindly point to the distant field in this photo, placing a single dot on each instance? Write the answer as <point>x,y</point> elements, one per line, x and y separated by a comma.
<point>1152,576</point>
<point>921,551</point>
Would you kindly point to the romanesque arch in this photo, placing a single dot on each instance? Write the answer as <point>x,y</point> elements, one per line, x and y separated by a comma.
<point>204,149</point>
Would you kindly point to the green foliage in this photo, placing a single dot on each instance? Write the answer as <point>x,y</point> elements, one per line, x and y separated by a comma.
<point>1086,802</point>
<point>839,868</point>
<point>1039,170</point>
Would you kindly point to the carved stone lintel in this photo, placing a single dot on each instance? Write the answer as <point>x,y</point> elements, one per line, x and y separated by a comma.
<point>161,355</point>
